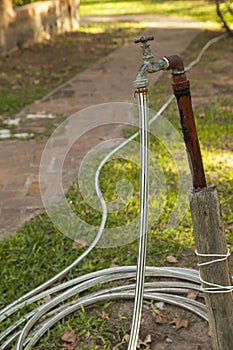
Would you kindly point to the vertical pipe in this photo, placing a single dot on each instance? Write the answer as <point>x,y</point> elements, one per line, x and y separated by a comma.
<point>143,224</point>
<point>182,92</point>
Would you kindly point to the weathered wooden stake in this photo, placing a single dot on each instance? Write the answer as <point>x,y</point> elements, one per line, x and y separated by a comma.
<point>207,222</point>
<point>210,239</point>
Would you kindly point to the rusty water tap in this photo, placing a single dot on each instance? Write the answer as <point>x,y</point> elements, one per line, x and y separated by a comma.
<point>149,65</point>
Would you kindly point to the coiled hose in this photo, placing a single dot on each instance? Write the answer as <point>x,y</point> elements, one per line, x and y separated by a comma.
<point>46,315</point>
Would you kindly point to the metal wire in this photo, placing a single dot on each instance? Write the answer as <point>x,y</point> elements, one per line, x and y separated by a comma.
<point>152,291</point>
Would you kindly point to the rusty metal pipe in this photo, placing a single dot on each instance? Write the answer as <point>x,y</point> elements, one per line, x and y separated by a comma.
<point>181,88</point>
<point>175,64</point>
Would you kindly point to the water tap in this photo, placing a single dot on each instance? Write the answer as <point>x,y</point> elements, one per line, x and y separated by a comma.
<point>149,65</point>
<point>146,50</point>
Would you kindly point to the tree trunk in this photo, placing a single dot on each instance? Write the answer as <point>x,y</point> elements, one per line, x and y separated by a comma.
<point>221,16</point>
<point>7,13</point>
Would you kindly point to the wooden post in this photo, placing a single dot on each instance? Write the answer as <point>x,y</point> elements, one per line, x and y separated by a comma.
<point>210,239</point>
<point>207,222</point>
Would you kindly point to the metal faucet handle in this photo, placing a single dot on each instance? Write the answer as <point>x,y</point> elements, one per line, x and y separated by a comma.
<point>143,39</point>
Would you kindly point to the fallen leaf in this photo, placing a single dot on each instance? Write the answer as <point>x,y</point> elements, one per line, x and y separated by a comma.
<point>171,259</point>
<point>147,339</point>
<point>132,279</point>
<point>192,295</point>
<point>69,336</point>
<point>160,319</point>
<point>113,265</point>
<point>105,315</point>
<point>79,243</point>
<point>180,323</point>
<point>69,346</point>
<point>139,343</point>
<point>145,343</point>
<point>126,337</point>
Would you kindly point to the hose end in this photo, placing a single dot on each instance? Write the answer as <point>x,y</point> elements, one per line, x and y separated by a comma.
<point>141,83</point>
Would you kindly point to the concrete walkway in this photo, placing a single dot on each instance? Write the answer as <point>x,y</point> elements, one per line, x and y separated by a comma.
<point>109,80</point>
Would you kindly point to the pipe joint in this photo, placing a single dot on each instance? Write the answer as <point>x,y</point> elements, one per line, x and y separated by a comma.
<point>176,64</point>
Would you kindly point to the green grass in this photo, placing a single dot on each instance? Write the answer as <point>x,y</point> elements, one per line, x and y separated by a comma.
<point>38,251</point>
<point>12,103</point>
<point>199,9</point>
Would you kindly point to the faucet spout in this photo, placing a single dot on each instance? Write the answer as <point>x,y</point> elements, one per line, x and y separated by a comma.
<point>161,64</point>
<point>150,66</point>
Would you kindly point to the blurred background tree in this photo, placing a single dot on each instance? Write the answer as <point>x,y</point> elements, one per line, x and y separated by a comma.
<point>6,13</point>
<point>224,10</point>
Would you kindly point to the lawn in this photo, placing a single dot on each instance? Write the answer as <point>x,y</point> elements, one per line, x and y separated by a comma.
<point>203,10</point>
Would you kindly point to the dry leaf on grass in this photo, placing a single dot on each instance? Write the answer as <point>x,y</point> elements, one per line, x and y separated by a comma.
<point>126,337</point>
<point>105,316</point>
<point>180,323</point>
<point>69,336</point>
<point>171,259</point>
<point>70,339</point>
<point>113,265</point>
<point>146,343</point>
<point>69,346</point>
<point>80,243</point>
<point>148,339</point>
<point>160,319</point>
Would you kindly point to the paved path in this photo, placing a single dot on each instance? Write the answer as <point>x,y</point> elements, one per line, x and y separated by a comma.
<point>109,80</point>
